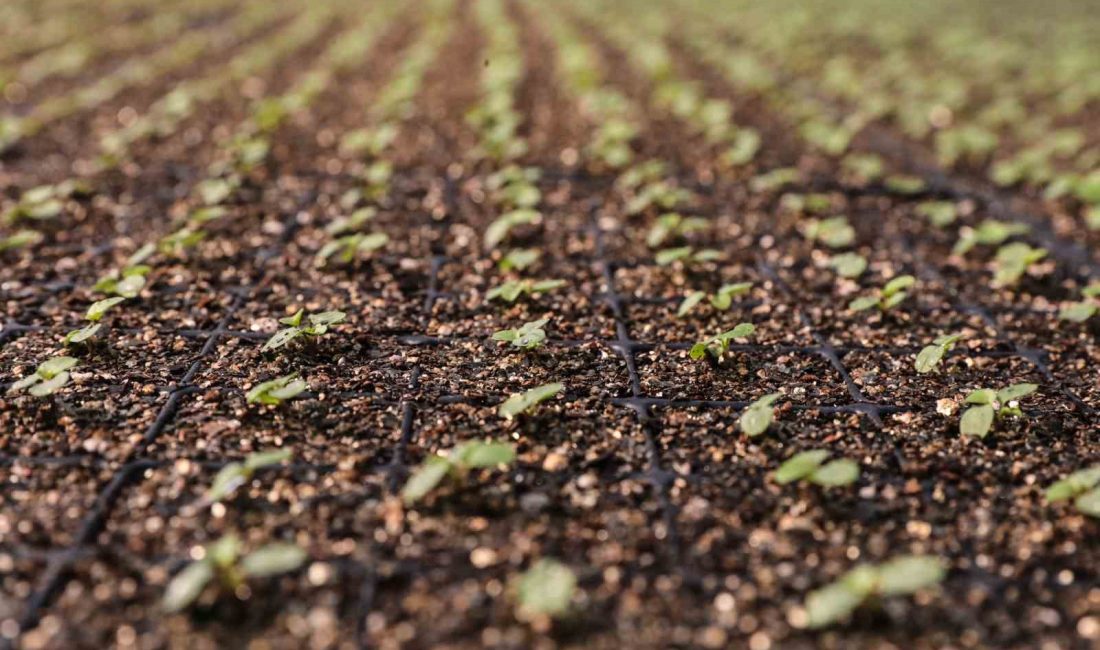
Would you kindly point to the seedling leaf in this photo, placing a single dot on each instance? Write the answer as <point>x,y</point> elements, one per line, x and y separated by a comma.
<point>547,588</point>
<point>522,402</point>
<point>272,559</point>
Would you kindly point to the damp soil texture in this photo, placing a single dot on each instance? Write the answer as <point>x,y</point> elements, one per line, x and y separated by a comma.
<point>219,166</point>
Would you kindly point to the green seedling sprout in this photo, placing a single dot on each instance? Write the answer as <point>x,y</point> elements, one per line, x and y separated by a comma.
<point>231,477</point>
<point>546,589</point>
<point>890,296</point>
<point>992,404</point>
<point>352,222</point>
<point>50,376</point>
<point>939,213</point>
<point>95,313</point>
<point>348,247</point>
<point>931,356</point>
<point>811,466</point>
<point>848,265</point>
<point>222,561</point>
<point>717,346</point>
<point>900,576</point>
<point>519,259</point>
<point>988,233</point>
<point>1083,486</point>
<point>686,254</point>
<point>1081,311</point>
<point>519,403</point>
<point>456,464</point>
<point>721,299</point>
<point>1012,262</point>
<point>834,232</point>
<point>315,325</point>
<point>277,391</point>
<point>24,238</point>
<point>499,229</point>
<point>673,224</point>
<point>527,337</point>
<point>511,290</point>
<point>759,415</point>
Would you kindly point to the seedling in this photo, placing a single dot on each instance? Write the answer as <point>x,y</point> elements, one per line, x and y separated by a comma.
<point>528,336</point>
<point>222,561</point>
<point>940,213</point>
<point>45,201</point>
<point>499,229</point>
<point>20,239</point>
<point>686,254</point>
<point>848,265</point>
<point>51,375</point>
<point>718,346</point>
<point>673,224</point>
<point>127,283</point>
<point>515,186</point>
<point>362,142</point>
<point>1083,486</point>
<point>744,147</point>
<point>988,233</point>
<point>834,232</point>
<point>811,466</point>
<point>317,324</point>
<point>990,404</point>
<point>866,167</point>
<point>277,391</point>
<point>95,313</point>
<point>1013,260</point>
<point>660,194</point>
<point>352,222</point>
<point>904,184</point>
<point>235,474</point>
<point>214,191</point>
<point>546,589</point>
<point>519,403</point>
<point>721,300</point>
<point>519,259</point>
<point>511,290</point>
<point>890,296</point>
<point>900,576</point>
<point>642,173</point>
<point>931,356</point>
<point>457,464</point>
<point>759,415</point>
<point>346,248</point>
<point>180,240</point>
<point>1079,312</point>
<point>775,179</point>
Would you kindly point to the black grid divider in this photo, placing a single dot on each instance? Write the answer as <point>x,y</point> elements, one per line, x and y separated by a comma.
<point>655,474</point>
<point>398,467</point>
<point>60,567</point>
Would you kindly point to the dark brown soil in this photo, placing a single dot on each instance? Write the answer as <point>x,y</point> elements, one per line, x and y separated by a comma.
<point>637,477</point>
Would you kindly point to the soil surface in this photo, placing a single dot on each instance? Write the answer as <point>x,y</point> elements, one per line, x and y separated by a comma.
<point>636,476</point>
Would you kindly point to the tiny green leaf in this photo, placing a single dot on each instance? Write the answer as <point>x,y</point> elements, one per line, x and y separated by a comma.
<point>842,471</point>
<point>272,559</point>
<point>976,421</point>
<point>547,588</point>
<point>187,585</point>
<point>800,465</point>
<point>100,308</point>
<point>425,478</point>
<point>522,402</point>
<point>908,574</point>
